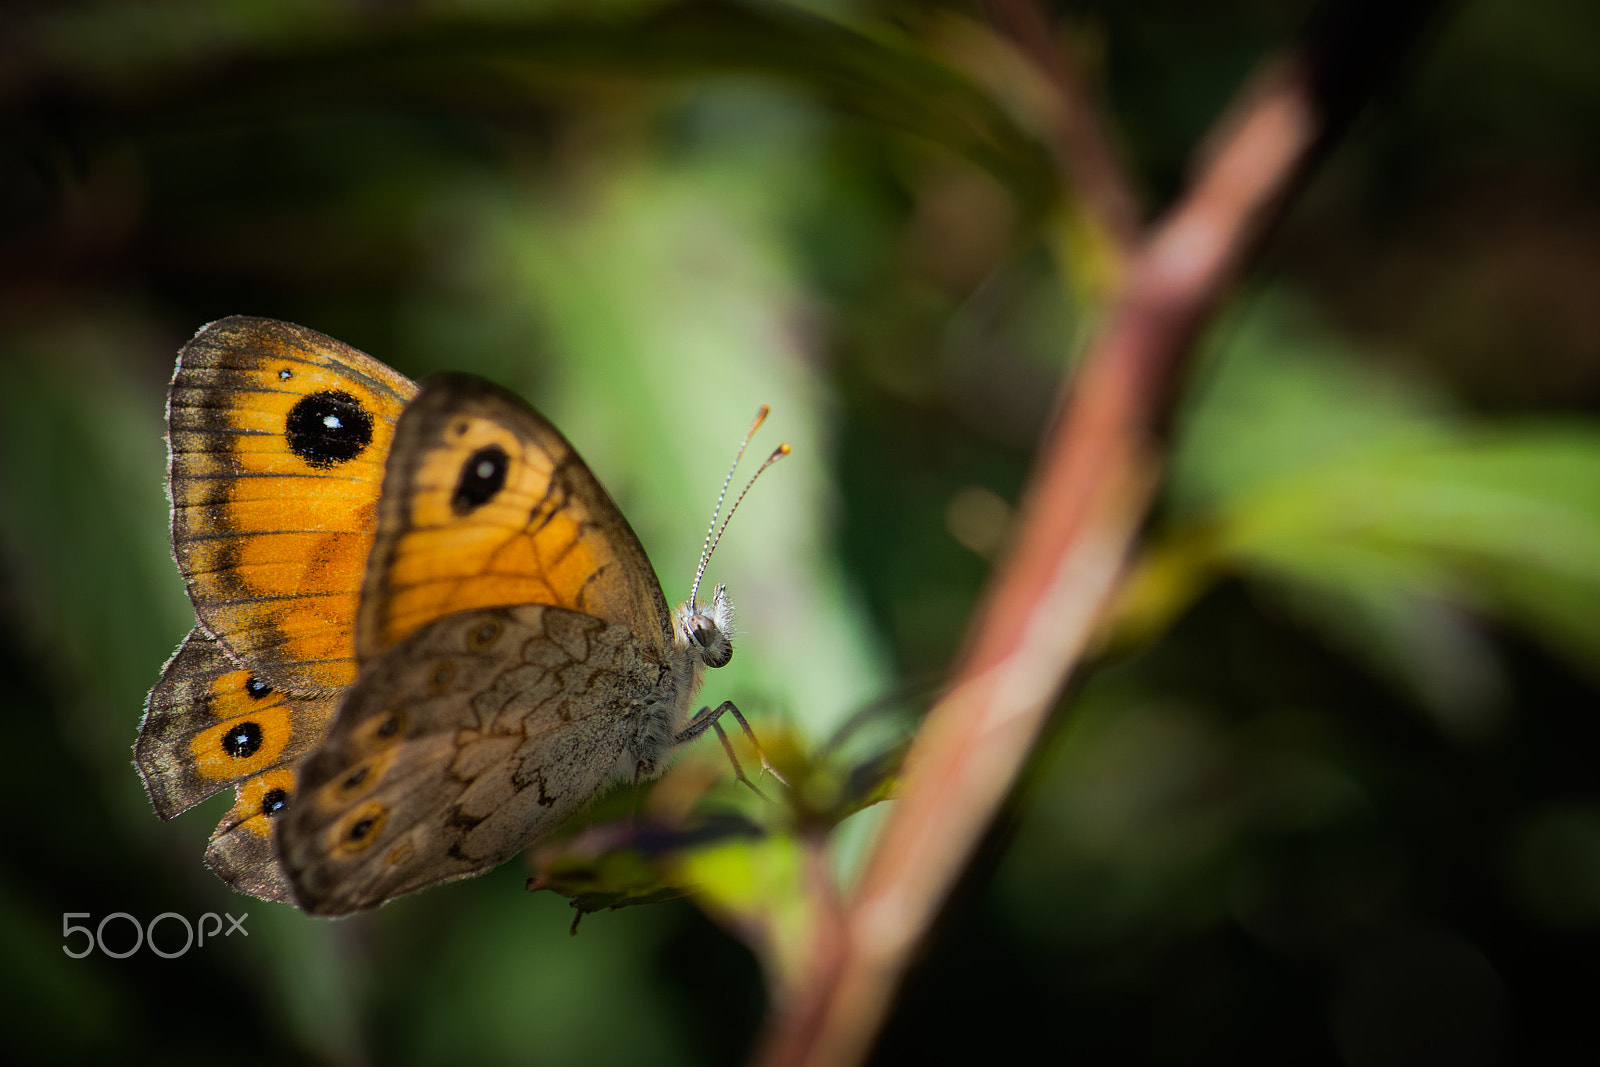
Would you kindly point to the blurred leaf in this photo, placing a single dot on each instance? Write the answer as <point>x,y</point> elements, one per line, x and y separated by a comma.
<point>762,871</point>
<point>145,77</point>
<point>1503,520</point>
<point>760,891</point>
<point>1277,393</point>
<point>620,864</point>
<point>1377,516</point>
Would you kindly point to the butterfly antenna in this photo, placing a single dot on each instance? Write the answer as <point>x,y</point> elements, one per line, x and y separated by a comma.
<point>713,534</point>
<point>777,454</point>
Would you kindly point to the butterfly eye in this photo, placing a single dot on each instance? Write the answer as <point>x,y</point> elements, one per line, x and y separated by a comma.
<point>715,648</point>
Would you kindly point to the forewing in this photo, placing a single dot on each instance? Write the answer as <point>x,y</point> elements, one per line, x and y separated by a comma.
<point>485,504</point>
<point>278,436</point>
<point>464,742</point>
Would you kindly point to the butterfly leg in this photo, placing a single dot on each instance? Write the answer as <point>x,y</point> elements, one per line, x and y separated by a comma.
<point>738,768</point>
<point>766,765</point>
<point>707,719</point>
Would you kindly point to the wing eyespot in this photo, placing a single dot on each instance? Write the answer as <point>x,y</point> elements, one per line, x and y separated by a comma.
<point>444,672</point>
<point>243,740</point>
<point>327,428</point>
<point>358,831</point>
<point>485,635</point>
<point>355,783</point>
<point>378,731</point>
<point>482,476</point>
<point>274,802</point>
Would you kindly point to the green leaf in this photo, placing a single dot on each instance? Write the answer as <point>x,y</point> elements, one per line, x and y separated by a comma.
<point>754,870</point>
<point>1377,516</point>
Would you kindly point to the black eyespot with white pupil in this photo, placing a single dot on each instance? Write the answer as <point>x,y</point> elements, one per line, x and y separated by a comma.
<point>482,476</point>
<point>327,428</point>
<point>273,803</point>
<point>242,741</point>
<point>256,688</point>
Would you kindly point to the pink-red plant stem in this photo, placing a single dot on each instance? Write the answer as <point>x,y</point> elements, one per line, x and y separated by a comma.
<point>1078,521</point>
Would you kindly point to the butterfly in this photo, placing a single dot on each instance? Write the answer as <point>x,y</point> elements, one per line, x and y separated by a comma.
<point>426,635</point>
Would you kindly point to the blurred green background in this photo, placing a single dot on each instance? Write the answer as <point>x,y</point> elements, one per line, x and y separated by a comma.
<point>1330,796</point>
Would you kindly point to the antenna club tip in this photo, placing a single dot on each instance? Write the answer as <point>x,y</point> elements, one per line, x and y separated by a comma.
<point>784,449</point>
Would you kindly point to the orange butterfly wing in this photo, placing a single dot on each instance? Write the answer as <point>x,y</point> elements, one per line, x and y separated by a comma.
<point>484,505</point>
<point>278,439</point>
<point>211,723</point>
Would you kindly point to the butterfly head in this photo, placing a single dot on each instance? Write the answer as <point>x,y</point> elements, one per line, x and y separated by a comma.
<point>708,628</point>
